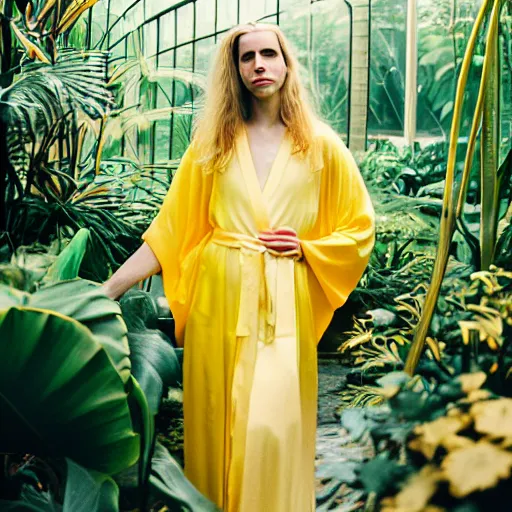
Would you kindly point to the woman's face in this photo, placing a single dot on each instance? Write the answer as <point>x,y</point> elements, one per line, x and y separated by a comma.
<point>261,63</point>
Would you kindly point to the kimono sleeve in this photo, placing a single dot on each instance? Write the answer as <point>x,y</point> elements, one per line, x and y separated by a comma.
<point>178,234</point>
<point>340,247</point>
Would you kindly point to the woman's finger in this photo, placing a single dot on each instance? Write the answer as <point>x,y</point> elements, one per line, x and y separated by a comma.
<point>286,238</point>
<point>280,245</point>
<point>285,230</point>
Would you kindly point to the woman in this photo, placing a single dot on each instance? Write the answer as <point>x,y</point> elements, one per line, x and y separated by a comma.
<point>265,231</point>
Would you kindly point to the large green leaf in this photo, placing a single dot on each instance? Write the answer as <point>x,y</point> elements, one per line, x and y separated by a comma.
<point>83,301</point>
<point>60,393</point>
<point>145,425</point>
<point>155,365</point>
<point>31,500</point>
<point>490,143</point>
<point>169,484</point>
<point>67,264</point>
<point>381,474</point>
<point>89,490</point>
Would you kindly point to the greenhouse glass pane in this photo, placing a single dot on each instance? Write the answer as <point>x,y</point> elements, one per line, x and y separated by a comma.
<point>205,49</point>
<point>131,44</point>
<point>181,129</point>
<point>285,5</point>
<point>167,35</point>
<point>443,35</point>
<point>295,23</point>
<point>99,23</point>
<point>185,23</point>
<point>164,92</point>
<point>329,63</point>
<point>387,67</point>
<point>205,17</point>
<point>154,7</point>
<point>271,20</point>
<point>134,17</point>
<point>252,11</point>
<point>227,11</point>
<point>166,59</point>
<point>150,38</point>
<point>184,56</point>
<point>162,140</point>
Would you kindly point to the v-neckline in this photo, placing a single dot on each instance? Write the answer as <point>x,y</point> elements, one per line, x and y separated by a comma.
<point>259,196</point>
<point>275,164</point>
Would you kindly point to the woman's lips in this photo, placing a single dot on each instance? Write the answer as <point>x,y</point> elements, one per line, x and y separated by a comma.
<point>261,82</point>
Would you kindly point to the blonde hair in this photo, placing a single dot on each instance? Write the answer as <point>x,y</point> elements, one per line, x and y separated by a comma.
<point>228,103</point>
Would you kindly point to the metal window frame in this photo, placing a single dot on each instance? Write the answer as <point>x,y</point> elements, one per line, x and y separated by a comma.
<point>107,44</point>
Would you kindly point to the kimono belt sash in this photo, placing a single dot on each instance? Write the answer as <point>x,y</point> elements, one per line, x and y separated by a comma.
<point>267,282</point>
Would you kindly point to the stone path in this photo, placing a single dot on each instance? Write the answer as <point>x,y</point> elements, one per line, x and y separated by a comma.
<point>333,446</point>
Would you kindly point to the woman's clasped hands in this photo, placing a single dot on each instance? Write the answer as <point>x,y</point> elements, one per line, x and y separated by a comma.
<point>282,240</point>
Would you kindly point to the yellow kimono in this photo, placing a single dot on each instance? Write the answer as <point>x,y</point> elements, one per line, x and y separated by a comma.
<point>250,320</point>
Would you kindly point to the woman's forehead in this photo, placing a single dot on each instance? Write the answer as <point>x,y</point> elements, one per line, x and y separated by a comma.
<point>257,40</point>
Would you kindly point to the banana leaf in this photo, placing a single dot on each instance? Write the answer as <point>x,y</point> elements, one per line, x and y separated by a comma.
<point>154,361</point>
<point>60,394</point>
<point>67,264</point>
<point>169,485</point>
<point>85,302</point>
<point>89,490</point>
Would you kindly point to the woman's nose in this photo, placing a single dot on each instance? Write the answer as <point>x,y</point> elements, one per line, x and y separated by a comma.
<point>258,62</point>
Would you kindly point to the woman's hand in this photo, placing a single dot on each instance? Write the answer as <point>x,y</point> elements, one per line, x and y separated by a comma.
<point>281,240</point>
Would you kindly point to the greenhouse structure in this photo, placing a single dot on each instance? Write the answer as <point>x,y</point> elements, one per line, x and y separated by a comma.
<point>255,255</point>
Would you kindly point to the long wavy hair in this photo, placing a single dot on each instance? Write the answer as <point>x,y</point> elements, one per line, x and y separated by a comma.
<point>228,103</point>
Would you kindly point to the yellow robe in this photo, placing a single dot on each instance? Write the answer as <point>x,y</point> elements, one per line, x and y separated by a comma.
<point>251,321</point>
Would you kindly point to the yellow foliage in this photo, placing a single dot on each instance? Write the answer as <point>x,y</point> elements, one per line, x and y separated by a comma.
<point>435,347</point>
<point>476,467</point>
<point>472,381</point>
<point>454,442</point>
<point>477,396</point>
<point>355,341</point>
<point>493,417</point>
<point>432,434</point>
<point>414,497</point>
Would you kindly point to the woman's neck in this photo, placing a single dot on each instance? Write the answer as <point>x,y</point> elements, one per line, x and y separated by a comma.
<point>266,113</point>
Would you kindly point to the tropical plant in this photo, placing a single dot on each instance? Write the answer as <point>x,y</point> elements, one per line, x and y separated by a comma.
<point>443,33</point>
<point>487,115</point>
<point>393,270</point>
<point>470,331</point>
<point>435,447</point>
<point>83,416</point>
<point>62,159</point>
<point>39,25</point>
